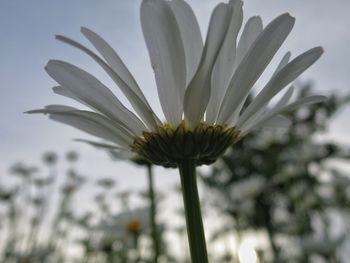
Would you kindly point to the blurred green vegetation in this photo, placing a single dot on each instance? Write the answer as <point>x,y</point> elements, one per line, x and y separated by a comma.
<point>287,187</point>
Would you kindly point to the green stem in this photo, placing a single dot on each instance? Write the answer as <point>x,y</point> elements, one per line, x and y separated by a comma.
<point>153,214</point>
<point>195,230</point>
<point>136,247</point>
<point>110,257</point>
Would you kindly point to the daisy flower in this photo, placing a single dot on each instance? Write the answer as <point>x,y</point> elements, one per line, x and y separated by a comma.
<point>202,87</point>
<point>127,227</point>
<point>133,222</point>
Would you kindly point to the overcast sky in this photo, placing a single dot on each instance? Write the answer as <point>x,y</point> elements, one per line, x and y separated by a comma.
<point>27,30</point>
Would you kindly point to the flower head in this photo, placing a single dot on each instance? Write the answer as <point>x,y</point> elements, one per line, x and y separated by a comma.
<point>202,88</point>
<point>130,222</point>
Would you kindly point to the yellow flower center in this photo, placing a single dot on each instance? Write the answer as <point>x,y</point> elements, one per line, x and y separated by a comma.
<point>167,146</point>
<point>133,226</point>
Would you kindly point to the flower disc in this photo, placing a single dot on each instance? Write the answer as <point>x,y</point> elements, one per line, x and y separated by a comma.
<point>167,146</point>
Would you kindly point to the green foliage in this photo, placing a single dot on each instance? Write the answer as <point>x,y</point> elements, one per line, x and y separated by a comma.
<point>281,183</point>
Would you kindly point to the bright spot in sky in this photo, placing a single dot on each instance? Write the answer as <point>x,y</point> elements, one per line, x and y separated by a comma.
<point>246,252</point>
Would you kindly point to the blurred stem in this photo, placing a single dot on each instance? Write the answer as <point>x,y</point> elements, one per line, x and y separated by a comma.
<point>238,242</point>
<point>47,196</point>
<point>11,239</point>
<point>274,247</point>
<point>110,258</point>
<point>266,208</point>
<point>153,213</point>
<point>136,247</point>
<point>195,231</point>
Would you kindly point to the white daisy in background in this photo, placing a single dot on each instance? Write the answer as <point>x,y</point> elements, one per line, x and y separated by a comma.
<point>128,223</point>
<point>126,229</point>
<point>202,88</point>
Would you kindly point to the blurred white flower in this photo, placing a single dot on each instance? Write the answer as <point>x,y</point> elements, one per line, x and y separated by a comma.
<point>132,222</point>
<point>248,188</point>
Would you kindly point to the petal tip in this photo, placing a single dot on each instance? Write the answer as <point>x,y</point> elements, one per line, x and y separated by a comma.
<point>50,63</point>
<point>34,111</point>
<point>256,18</point>
<point>320,49</point>
<point>288,17</point>
<point>60,38</point>
<point>84,30</point>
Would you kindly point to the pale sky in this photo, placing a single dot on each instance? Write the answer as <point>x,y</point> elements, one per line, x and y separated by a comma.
<point>27,30</point>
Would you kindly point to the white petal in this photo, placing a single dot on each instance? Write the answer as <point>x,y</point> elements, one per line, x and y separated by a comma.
<point>283,63</point>
<point>134,94</point>
<point>68,94</point>
<point>303,102</point>
<point>275,121</point>
<point>254,63</point>
<point>251,31</point>
<point>163,39</point>
<point>242,126</point>
<point>90,90</point>
<point>90,122</point>
<point>236,120</point>
<point>198,92</point>
<point>284,99</point>
<point>113,60</point>
<point>94,127</point>
<point>52,109</point>
<point>282,78</point>
<point>118,66</point>
<point>65,93</point>
<point>190,34</point>
<point>243,123</point>
<point>224,65</point>
<point>101,145</point>
<point>122,155</point>
<point>268,115</point>
<point>115,151</point>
